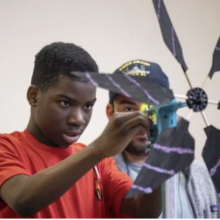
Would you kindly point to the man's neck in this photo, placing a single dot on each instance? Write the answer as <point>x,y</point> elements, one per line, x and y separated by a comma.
<point>131,158</point>
<point>33,129</point>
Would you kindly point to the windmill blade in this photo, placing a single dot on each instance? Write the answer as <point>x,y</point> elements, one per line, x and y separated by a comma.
<point>219,105</point>
<point>146,90</point>
<point>215,63</point>
<point>211,155</point>
<point>172,152</point>
<point>169,34</point>
<point>215,60</point>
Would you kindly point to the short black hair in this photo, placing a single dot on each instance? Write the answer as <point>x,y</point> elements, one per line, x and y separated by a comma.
<point>60,59</point>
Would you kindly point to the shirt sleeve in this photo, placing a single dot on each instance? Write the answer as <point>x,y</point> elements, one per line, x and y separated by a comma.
<point>116,186</point>
<point>10,162</point>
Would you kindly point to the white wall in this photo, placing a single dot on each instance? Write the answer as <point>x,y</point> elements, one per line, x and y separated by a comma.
<point>113,32</point>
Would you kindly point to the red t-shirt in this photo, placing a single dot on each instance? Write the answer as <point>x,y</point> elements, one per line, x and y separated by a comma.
<point>21,153</point>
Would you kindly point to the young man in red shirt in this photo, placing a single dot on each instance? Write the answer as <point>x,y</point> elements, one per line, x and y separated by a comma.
<point>44,173</point>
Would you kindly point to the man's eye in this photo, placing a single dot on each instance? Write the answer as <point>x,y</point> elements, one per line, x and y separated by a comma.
<point>128,109</point>
<point>65,103</point>
<point>88,107</point>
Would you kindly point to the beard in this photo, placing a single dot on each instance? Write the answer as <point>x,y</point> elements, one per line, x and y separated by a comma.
<point>138,149</point>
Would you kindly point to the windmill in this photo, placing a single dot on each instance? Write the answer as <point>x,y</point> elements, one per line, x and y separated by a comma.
<point>196,98</point>
<point>174,145</point>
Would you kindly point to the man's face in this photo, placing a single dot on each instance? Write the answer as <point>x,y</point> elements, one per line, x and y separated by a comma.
<point>63,112</point>
<point>124,104</point>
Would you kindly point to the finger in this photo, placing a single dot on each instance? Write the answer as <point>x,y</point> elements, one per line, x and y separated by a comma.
<point>134,131</point>
<point>126,116</point>
<point>137,121</point>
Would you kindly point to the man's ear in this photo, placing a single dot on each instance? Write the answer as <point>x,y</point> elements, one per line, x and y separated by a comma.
<point>32,95</point>
<point>109,110</point>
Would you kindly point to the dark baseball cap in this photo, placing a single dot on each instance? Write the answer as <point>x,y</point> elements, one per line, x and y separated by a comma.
<point>142,68</point>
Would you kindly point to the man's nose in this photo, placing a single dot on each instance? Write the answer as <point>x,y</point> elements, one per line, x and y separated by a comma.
<point>76,117</point>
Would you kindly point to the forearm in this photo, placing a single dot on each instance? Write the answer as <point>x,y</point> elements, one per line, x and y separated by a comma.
<point>43,188</point>
<point>144,206</point>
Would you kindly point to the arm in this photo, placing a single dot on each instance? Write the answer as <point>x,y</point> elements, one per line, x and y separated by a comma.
<point>48,185</point>
<point>147,205</point>
<point>41,188</point>
<point>117,185</point>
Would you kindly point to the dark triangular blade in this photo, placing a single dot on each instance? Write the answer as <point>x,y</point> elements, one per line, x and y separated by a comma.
<point>211,155</point>
<point>169,33</point>
<point>215,60</point>
<point>172,152</point>
<point>219,105</point>
<point>140,88</point>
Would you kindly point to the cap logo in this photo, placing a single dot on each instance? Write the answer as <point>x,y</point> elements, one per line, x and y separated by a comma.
<point>135,71</point>
<point>135,68</point>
